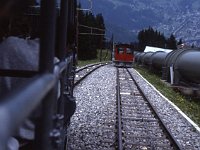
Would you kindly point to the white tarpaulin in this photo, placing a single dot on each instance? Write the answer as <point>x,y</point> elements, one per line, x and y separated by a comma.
<point>155,49</point>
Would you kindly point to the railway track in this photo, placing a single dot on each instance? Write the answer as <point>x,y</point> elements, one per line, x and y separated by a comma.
<point>131,122</point>
<point>138,124</point>
<point>83,72</point>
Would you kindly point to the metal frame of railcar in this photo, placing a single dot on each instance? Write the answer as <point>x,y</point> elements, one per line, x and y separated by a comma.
<point>42,90</point>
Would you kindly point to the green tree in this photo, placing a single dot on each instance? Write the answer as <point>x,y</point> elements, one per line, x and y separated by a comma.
<point>151,37</point>
<point>171,42</point>
<point>180,42</point>
<point>89,42</point>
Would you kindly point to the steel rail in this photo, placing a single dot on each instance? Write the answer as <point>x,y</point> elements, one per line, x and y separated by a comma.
<point>167,130</point>
<point>77,82</point>
<point>119,117</point>
<point>87,66</point>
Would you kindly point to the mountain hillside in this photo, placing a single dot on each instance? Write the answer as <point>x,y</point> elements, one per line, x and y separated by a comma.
<point>124,18</point>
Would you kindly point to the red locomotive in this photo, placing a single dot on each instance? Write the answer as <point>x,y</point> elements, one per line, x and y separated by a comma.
<point>123,55</point>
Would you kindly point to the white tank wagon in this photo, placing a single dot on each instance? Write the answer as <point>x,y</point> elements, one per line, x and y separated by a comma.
<point>139,58</point>
<point>185,65</point>
<point>146,59</point>
<point>151,60</point>
<point>179,67</point>
<point>168,61</point>
<point>181,70</point>
<point>186,68</point>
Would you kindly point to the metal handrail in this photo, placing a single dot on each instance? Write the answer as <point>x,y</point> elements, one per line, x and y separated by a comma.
<point>41,91</point>
<point>14,110</point>
<point>18,106</point>
<point>61,66</point>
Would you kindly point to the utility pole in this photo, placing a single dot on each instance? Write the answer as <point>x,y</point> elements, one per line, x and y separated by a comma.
<point>77,24</point>
<point>112,47</point>
<point>101,49</point>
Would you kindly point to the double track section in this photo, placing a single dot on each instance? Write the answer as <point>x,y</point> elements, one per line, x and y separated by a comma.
<point>139,125</point>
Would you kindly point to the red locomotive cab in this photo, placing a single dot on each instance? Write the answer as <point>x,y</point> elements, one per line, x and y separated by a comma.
<point>123,55</point>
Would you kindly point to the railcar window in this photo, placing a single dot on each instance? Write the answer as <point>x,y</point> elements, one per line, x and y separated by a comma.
<point>120,50</point>
<point>128,51</point>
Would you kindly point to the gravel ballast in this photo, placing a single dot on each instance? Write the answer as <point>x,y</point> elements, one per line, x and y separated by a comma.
<point>93,124</point>
<point>187,136</point>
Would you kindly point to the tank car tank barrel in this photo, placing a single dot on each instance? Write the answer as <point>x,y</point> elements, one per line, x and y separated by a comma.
<point>157,60</point>
<point>187,66</point>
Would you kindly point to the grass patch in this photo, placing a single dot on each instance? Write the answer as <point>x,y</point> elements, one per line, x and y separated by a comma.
<point>106,56</point>
<point>189,106</point>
